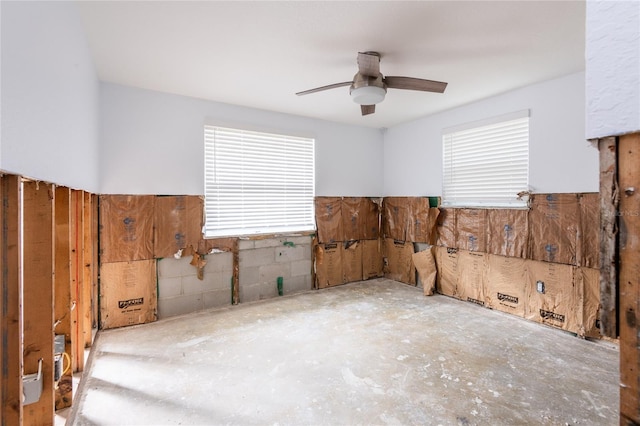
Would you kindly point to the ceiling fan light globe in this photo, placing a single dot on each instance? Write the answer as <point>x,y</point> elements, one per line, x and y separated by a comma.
<point>368,95</point>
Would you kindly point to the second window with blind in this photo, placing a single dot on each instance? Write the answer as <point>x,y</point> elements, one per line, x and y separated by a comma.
<point>486,164</point>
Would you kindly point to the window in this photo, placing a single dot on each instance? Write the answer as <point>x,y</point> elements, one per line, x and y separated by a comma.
<point>257,183</point>
<point>487,164</point>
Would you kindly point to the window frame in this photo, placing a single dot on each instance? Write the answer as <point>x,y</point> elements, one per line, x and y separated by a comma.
<point>476,151</point>
<point>264,184</point>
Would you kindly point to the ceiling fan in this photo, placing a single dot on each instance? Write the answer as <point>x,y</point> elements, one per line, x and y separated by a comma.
<point>369,86</point>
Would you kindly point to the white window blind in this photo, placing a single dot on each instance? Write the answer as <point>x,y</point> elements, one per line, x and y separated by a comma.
<point>488,165</point>
<point>257,183</point>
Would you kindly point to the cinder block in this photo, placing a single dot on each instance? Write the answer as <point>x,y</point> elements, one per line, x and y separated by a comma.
<point>169,287</point>
<point>297,284</point>
<point>218,262</point>
<point>269,273</point>
<point>307,252</point>
<point>298,241</point>
<point>257,257</point>
<point>192,285</point>
<point>289,254</point>
<point>216,299</point>
<point>270,242</point>
<point>216,281</point>
<point>251,293</point>
<point>171,267</point>
<point>180,305</point>
<point>246,244</point>
<point>300,268</point>
<point>249,275</point>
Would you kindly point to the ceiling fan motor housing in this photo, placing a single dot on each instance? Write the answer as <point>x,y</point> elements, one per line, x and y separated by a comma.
<point>367,90</point>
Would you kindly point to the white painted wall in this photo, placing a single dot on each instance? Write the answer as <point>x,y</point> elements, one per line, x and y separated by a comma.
<point>152,143</point>
<point>560,158</point>
<point>612,68</point>
<point>49,95</point>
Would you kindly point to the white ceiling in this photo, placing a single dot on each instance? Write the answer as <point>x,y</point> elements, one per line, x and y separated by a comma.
<point>258,54</point>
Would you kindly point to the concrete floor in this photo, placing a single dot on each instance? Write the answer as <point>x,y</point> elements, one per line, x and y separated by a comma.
<point>374,352</point>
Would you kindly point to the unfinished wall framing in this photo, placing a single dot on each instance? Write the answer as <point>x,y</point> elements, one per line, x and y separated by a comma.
<point>39,296</point>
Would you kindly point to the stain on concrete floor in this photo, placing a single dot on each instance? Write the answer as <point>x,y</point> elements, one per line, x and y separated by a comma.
<point>374,352</point>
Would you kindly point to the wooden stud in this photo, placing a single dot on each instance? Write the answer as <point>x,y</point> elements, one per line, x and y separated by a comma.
<point>94,262</point>
<point>235,293</point>
<point>76,241</point>
<point>38,283</point>
<point>11,325</point>
<point>62,325</point>
<point>629,276</point>
<point>608,236</point>
<point>87,259</point>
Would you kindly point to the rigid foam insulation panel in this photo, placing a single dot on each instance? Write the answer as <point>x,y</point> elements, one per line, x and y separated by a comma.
<point>589,233</point>
<point>447,265</point>
<point>446,228</point>
<point>372,259</point>
<point>472,276</point>
<point>126,227</point>
<point>507,232</point>
<point>329,219</point>
<point>397,218</point>
<point>398,264</point>
<point>178,224</point>
<point>471,229</point>
<point>553,295</point>
<point>553,228</point>
<point>591,302</point>
<point>425,264</point>
<point>128,293</point>
<point>352,261</point>
<point>360,219</point>
<point>506,284</point>
<point>328,261</point>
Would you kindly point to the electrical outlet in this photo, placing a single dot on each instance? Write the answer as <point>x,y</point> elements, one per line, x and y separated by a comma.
<point>540,286</point>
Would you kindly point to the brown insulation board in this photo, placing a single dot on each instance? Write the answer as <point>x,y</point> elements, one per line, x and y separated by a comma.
<point>126,227</point>
<point>329,265</point>
<point>329,219</point>
<point>127,293</point>
<point>446,228</point>
<point>447,264</point>
<point>425,264</point>
<point>178,224</point>
<point>553,228</point>
<point>398,265</point>
<point>506,284</point>
<point>472,276</point>
<point>553,296</point>
<point>589,235</point>
<point>397,218</point>
<point>507,232</point>
<point>372,262</point>
<point>352,261</point>
<point>591,302</point>
<point>471,229</point>
<point>215,244</point>
<point>423,221</point>
<point>360,219</point>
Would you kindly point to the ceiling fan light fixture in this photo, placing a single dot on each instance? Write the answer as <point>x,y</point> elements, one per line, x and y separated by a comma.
<point>368,95</point>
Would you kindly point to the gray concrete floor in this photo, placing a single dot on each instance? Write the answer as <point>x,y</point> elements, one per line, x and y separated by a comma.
<point>374,352</point>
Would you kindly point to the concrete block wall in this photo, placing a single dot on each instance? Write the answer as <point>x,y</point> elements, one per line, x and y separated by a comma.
<point>263,261</point>
<point>180,291</point>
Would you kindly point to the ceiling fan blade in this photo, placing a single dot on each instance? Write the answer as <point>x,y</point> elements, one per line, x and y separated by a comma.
<point>410,83</point>
<point>320,89</point>
<point>369,64</point>
<point>367,109</point>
